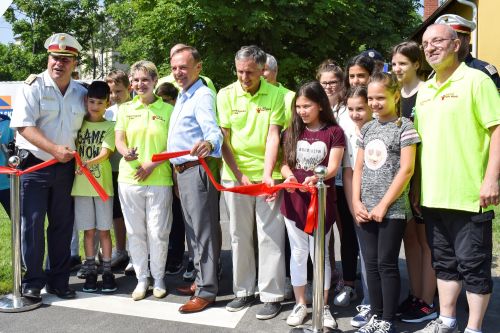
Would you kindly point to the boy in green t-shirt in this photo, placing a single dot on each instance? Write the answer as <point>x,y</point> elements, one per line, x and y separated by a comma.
<point>95,142</point>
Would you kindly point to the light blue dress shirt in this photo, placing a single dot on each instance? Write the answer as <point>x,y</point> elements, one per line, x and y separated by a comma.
<point>193,120</point>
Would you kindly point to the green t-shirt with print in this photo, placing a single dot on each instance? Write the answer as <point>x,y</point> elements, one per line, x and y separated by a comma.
<point>249,117</point>
<point>146,128</point>
<point>91,138</point>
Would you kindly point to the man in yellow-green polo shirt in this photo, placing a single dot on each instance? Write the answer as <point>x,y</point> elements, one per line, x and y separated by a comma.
<point>271,74</point>
<point>457,117</point>
<point>251,115</point>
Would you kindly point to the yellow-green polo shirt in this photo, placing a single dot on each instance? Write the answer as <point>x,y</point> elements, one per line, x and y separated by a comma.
<point>170,79</point>
<point>289,95</point>
<point>453,122</point>
<point>146,127</point>
<point>249,117</point>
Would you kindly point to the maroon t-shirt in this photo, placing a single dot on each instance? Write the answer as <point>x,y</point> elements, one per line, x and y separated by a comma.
<point>313,149</point>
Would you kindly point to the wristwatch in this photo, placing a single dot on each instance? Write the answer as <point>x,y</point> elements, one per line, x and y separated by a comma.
<point>211,145</point>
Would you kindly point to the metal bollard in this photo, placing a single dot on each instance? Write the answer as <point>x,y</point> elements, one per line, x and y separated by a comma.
<point>319,258</point>
<point>15,302</point>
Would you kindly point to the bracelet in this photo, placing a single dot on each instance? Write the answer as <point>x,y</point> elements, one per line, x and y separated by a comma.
<point>290,176</point>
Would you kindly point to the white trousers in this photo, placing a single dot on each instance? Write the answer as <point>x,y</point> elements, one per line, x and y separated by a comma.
<point>244,213</point>
<point>302,245</point>
<point>147,211</point>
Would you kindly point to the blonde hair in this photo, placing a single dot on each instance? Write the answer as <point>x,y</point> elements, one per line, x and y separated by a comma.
<point>145,66</point>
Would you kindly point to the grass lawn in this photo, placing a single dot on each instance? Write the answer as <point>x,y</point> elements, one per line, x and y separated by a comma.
<point>6,254</point>
<point>6,259</point>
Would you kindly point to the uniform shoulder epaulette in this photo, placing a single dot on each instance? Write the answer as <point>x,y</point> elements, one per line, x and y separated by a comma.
<point>491,69</point>
<point>30,79</point>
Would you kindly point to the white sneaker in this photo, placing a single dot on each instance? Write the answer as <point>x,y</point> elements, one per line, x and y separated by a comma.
<point>370,327</point>
<point>328,320</point>
<point>140,290</point>
<point>129,269</point>
<point>288,289</point>
<point>346,295</point>
<point>363,316</point>
<point>159,290</point>
<point>298,315</point>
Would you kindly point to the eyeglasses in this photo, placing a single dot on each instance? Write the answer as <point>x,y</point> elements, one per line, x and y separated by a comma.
<point>436,42</point>
<point>329,83</point>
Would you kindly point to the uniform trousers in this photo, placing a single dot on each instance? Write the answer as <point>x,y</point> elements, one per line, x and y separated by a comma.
<point>47,192</point>
<point>148,218</point>
<point>244,213</point>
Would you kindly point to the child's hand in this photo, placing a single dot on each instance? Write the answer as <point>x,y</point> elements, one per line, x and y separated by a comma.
<point>310,181</point>
<point>79,170</point>
<point>360,212</point>
<point>290,179</point>
<point>378,213</point>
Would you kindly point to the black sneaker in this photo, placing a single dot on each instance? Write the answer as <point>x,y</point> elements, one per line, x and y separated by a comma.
<point>420,312</point>
<point>174,268</point>
<point>190,273</point>
<point>239,303</point>
<point>406,306</point>
<point>108,282</point>
<point>268,310</point>
<point>90,284</point>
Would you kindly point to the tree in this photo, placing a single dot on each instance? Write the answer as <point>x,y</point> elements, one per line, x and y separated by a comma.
<point>299,33</point>
<point>33,21</point>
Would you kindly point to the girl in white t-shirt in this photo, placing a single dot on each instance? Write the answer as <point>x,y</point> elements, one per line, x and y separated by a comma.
<point>313,139</point>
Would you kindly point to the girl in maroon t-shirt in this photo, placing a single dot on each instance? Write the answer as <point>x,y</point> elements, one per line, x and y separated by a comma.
<point>313,139</point>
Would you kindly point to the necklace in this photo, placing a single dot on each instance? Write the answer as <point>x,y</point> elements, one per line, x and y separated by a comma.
<point>316,129</point>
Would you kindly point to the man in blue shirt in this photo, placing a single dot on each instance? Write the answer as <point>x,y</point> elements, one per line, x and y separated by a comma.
<point>193,126</point>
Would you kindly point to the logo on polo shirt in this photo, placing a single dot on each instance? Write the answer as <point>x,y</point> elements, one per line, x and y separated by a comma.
<point>262,109</point>
<point>155,117</point>
<point>133,116</point>
<point>449,95</point>
<point>238,111</point>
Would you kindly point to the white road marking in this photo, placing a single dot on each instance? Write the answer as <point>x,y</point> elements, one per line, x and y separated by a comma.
<point>212,316</point>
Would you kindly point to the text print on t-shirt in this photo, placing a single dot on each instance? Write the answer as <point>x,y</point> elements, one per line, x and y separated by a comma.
<point>375,154</point>
<point>90,142</point>
<point>310,155</point>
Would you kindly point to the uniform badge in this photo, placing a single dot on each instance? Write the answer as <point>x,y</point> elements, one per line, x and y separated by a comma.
<point>491,69</point>
<point>30,79</point>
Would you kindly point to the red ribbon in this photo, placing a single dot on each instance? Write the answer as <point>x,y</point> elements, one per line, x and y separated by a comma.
<point>102,193</point>
<point>256,189</point>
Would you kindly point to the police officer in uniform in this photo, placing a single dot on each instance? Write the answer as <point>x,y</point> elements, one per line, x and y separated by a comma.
<point>464,28</point>
<point>47,115</point>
